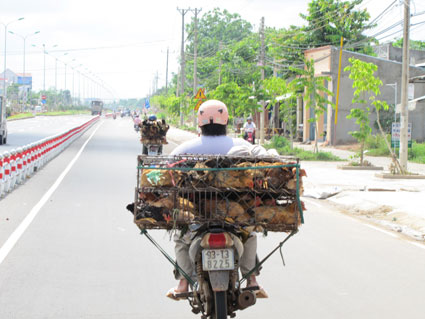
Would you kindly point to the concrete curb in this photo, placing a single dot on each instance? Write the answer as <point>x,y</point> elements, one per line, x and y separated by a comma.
<point>360,168</point>
<point>393,176</point>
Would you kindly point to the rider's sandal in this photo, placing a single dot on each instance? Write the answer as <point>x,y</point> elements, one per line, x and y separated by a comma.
<point>172,294</point>
<point>261,293</point>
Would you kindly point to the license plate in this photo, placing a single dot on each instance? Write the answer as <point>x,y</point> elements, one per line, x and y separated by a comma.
<point>218,259</point>
<point>153,150</point>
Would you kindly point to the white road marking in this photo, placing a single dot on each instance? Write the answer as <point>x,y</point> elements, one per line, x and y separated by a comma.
<point>311,202</point>
<point>14,237</point>
<point>381,230</point>
<point>418,245</point>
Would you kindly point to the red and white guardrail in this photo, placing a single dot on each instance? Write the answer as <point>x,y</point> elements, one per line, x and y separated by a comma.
<point>21,163</point>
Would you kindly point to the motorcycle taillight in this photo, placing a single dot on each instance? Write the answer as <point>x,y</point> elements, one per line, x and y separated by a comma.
<point>217,240</point>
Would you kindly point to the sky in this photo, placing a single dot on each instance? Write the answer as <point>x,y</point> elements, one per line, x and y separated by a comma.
<point>122,44</point>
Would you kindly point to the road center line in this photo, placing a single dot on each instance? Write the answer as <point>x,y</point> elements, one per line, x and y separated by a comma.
<point>14,237</point>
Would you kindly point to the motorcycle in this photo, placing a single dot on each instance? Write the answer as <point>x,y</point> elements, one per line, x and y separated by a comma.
<point>152,149</point>
<point>215,252</point>
<point>250,135</point>
<point>114,116</point>
<point>137,122</point>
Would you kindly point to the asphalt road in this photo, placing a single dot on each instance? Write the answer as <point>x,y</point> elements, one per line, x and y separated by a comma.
<point>82,257</point>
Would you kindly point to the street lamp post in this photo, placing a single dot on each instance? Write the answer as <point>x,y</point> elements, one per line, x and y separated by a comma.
<point>5,41</point>
<point>44,68</point>
<point>23,74</point>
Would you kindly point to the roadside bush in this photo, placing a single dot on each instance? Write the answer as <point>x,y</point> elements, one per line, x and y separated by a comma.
<point>375,145</point>
<point>283,147</point>
<point>417,153</point>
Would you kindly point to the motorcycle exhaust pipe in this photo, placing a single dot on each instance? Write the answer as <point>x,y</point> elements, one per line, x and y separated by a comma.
<point>246,299</point>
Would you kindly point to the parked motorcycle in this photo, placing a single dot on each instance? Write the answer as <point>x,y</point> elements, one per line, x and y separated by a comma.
<point>215,252</point>
<point>250,135</point>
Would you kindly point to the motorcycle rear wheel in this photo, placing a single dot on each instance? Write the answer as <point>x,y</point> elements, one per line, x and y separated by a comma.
<point>220,305</point>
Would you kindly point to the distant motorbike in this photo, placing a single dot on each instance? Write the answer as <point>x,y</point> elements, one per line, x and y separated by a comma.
<point>152,149</point>
<point>215,251</point>
<point>250,135</point>
<point>137,122</point>
<point>114,116</point>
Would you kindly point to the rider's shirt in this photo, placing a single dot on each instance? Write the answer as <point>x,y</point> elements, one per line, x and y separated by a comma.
<point>248,126</point>
<point>214,145</point>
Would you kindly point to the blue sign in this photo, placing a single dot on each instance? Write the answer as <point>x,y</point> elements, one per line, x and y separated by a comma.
<point>147,105</point>
<point>24,80</point>
<point>43,101</point>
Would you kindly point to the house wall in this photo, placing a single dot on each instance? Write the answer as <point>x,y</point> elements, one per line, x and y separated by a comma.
<point>322,65</point>
<point>389,72</point>
<point>388,52</point>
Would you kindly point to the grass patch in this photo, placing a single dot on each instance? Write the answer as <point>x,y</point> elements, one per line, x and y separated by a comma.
<point>189,128</point>
<point>376,147</point>
<point>283,147</point>
<point>59,113</point>
<point>20,116</point>
<point>417,153</point>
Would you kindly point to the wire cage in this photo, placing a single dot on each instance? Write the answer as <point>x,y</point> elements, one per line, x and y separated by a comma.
<point>258,192</point>
<point>154,132</point>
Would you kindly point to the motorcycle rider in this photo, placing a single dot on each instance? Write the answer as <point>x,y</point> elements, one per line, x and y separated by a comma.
<point>137,123</point>
<point>212,120</point>
<point>154,131</point>
<point>249,125</point>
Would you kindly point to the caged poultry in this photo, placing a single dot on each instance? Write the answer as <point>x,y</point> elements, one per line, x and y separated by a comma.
<point>258,192</point>
<point>154,132</point>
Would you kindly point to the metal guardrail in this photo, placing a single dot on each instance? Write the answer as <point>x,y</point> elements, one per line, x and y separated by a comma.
<point>21,163</point>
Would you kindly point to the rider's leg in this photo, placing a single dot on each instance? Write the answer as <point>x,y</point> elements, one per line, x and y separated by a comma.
<point>183,260</point>
<point>248,259</point>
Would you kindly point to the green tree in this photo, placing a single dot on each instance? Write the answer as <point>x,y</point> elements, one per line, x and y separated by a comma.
<point>229,94</point>
<point>315,91</point>
<point>328,20</point>
<point>413,44</point>
<point>227,48</point>
<point>285,47</point>
<point>366,84</point>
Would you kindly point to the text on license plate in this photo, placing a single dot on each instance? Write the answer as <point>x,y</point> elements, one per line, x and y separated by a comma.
<point>218,259</point>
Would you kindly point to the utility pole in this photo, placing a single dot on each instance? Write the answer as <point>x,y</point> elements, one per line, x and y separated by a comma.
<point>220,47</point>
<point>262,58</point>
<point>277,105</point>
<point>182,62</point>
<point>44,68</point>
<point>195,57</point>
<point>166,72</point>
<point>195,53</point>
<point>404,114</point>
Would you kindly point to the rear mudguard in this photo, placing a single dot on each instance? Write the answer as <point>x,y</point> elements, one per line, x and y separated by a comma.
<point>219,280</point>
